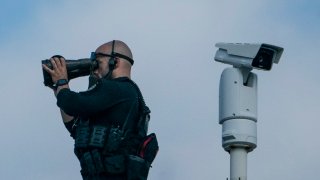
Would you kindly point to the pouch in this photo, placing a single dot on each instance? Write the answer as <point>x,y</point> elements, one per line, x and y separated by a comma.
<point>137,168</point>
<point>115,164</point>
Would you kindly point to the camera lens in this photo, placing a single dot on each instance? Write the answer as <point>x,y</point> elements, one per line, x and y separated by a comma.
<point>264,58</point>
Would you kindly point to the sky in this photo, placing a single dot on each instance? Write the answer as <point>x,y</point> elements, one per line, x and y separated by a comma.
<point>173,45</point>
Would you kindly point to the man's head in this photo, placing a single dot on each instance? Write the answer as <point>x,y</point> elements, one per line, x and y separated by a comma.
<point>115,55</point>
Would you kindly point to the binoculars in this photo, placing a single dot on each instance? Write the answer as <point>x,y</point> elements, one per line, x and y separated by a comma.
<point>75,68</point>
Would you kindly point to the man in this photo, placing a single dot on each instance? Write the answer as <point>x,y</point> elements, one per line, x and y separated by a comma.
<point>108,121</point>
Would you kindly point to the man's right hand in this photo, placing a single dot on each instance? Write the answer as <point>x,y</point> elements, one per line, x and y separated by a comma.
<point>59,70</point>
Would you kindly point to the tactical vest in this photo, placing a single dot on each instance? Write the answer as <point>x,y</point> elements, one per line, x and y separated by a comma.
<point>115,150</point>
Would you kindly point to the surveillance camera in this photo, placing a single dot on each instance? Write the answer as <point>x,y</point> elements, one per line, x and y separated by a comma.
<point>258,56</point>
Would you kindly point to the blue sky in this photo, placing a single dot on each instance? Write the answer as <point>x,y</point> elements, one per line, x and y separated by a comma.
<point>173,48</point>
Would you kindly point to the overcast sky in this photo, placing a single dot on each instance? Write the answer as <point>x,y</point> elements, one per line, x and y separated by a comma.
<point>173,48</point>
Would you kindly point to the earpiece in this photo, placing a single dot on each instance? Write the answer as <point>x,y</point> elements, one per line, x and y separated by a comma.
<point>112,63</point>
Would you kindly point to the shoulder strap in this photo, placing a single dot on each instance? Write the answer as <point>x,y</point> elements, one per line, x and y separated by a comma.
<point>143,108</point>
<point>144,113</point>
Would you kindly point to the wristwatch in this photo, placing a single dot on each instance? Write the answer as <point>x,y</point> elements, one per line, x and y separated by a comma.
<point>60,82</point>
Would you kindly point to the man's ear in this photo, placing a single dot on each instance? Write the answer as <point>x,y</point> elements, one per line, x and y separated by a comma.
<point>117,61</point>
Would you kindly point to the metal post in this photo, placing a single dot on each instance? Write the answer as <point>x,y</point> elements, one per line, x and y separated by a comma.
<point>238,163</point>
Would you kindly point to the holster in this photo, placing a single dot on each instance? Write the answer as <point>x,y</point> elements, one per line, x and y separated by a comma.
<point>149,148</point>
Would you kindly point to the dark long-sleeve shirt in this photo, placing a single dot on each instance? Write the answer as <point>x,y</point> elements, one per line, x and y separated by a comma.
<point>111,102</point>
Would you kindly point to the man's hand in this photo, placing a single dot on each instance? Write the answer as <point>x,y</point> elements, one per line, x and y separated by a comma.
<point>59,70</point>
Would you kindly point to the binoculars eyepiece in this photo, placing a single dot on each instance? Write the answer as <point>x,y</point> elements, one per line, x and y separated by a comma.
<point>75,68</point>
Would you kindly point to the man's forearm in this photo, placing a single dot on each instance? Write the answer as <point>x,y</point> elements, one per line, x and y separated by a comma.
<point>65,117</point>
<point>59,88</point>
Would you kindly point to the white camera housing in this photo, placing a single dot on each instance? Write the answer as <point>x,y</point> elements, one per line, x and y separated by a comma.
<point>238,98</point>
<point>238,108</point>
<point>258,56</point>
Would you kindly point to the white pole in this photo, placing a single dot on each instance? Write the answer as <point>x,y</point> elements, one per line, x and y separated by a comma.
<point>238,163</point>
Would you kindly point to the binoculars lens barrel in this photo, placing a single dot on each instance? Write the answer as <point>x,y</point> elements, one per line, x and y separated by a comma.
<point>75,68</point>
